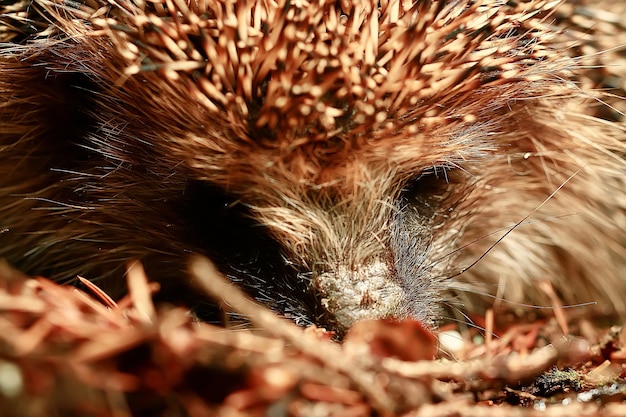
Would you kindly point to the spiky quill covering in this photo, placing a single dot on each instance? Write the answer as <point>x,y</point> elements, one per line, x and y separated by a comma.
<point>376,146</point>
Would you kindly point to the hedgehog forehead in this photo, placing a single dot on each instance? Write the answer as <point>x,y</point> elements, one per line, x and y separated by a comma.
<point>322,73</point>
<point>343,164</point>
<point>315,88</point>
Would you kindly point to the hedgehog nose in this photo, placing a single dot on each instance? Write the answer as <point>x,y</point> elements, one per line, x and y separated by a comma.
<point>361,293</point>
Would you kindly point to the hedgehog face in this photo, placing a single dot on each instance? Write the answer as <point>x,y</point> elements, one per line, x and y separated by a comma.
<point>318,117</point>
<point>363,152</point>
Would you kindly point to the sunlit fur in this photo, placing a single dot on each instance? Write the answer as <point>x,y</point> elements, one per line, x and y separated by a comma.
<point>409,136</point>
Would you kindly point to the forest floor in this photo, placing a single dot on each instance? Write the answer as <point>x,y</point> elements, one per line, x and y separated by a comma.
<point>65,352</point>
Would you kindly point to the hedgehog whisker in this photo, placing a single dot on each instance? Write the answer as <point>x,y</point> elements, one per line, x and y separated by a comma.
<point>507,228</point>
<point>512,228</point>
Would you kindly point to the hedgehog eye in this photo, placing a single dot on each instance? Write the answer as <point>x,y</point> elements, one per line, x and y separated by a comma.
<point>430,182</point>
<point>429,189</point>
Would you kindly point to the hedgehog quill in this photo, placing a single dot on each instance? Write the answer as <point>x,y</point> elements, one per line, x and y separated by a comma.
<point>338,160</point>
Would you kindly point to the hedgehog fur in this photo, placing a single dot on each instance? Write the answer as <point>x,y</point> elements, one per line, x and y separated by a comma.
<point>340,160</point>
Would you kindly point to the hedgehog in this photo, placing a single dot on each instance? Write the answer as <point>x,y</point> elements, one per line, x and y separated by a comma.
<point>339,160</point>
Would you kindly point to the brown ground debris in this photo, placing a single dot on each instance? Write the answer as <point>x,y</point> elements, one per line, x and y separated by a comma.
<point>64,352</point>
